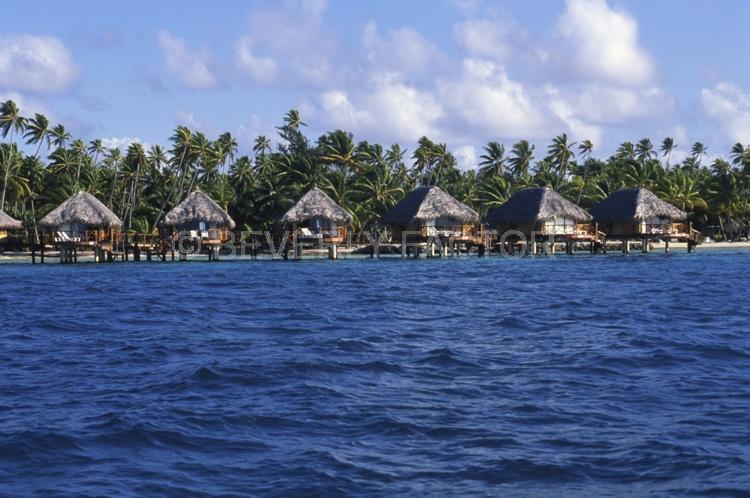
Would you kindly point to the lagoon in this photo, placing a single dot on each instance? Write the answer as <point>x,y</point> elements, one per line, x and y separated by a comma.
<point>579,375</point>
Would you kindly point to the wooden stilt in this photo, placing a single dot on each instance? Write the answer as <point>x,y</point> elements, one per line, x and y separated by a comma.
<point>644,246</point>
<point>666,245</point>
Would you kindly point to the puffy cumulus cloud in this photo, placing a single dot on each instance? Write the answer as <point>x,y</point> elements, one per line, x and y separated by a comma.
<point>190,68</point>
<point>403,50</point>
<point>28,107</point>
<point>729,106</point>
<point>485,101</point>
<point>485,38</point>
<point>466,157</point>
<point>247,132</point>
<point>121,143</point>
<point>387,110</point>
<point>184,118</point>
<point>41,64</point>
<point>601,43</point>
<point>567,114</point>
<point>259,68</point>
<point>293,34</point>
<point>613,105</point>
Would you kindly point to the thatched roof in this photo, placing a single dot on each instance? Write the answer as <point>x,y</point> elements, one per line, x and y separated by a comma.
<point>316,203</point>
<point>426,204</point>
<point>8,223</point>
<point>84,209</point>
<point>195,208</point>
<point>536,205</point>
<point>635,204</point>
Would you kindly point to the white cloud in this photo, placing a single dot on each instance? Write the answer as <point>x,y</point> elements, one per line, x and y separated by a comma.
<point>466,157</point>
<point>729,106</point>
<point>484,38</point>
<point>248,132</point>
<point>28,107</point>
<point>41,64</point>
<point>191,69</point>
<point>601,43</point>
<point>260,69</point>
<point>567,113</point>
<point>293,34</point>
<point>188,119</point>
<point>404,50</point>
<point>121,142</point>
<point>619,105</point>
<point>385,109</point>
<point>486,101</point>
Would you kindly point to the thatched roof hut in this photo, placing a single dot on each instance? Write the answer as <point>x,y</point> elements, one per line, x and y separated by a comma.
<point>635,204</point>
<point>195,208</point>
<point>81,208</point>
<point>8,223</point>
<point>537,205</point>
<point>316,204</point>
<point>426,204</point>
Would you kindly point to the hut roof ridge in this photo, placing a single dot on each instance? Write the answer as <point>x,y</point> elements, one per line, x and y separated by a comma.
<point>197,207</point>
<point>537,204</point>
<point>429,203</point>
<point>315,203</point>
<point>81,208</point>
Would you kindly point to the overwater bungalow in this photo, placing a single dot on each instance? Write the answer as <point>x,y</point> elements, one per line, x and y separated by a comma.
<point>316,219</point>
<point>430,216</point>
<point>7,224</point>
<point>197,220</point>
<point>82,222</point>
<point>541,215</point>
<point>637,214</point>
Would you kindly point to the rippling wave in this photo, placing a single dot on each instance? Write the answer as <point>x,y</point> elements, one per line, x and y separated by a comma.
<point>578,376</point>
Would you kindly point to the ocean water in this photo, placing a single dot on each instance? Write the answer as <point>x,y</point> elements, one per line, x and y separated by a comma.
<point>581,375</point>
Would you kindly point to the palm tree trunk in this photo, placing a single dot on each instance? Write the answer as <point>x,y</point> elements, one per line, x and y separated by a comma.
<point>114,184</point>
<point>585,178</point>
<point>33,217</point>
<point>171,191</point>
<point>7,169</point>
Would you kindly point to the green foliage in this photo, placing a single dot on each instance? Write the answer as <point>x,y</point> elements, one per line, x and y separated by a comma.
<point>366,179</point>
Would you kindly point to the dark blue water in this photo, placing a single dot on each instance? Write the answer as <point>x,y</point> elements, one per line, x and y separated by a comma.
<point>579,376</point>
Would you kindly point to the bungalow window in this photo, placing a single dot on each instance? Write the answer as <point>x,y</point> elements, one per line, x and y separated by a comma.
<point>560,225</point>
<point>443,226</point>
<point>655,225</point>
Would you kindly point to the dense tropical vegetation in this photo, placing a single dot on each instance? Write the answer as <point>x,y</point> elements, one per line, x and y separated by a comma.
<point>41,165</point>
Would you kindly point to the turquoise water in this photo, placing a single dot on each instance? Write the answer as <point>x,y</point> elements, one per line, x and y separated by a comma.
<point>580,376</point>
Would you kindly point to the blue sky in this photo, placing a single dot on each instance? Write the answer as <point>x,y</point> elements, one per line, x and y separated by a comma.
<point>460,71</point>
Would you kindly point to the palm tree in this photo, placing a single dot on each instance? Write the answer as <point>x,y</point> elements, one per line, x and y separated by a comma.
<point>96,147</point>
<point>59,136</point>
<point>37,132</point>
<point>492,161</point>
<point>241,175</point>
<point>338,148</point>
<point>667,146</point>
<point>585,148</point>
<point>559,154</point>
<point>521,156</point>
<point>11,122</point>
<point>644,150</point>
<point>626,150</point>
<point>227,147</point>
<point>79,151</point>
<point>698,151</point>
<point>262,145</point>
<point>114,158</point>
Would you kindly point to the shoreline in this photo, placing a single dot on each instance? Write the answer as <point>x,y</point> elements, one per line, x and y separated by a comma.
<point>86,257</point>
